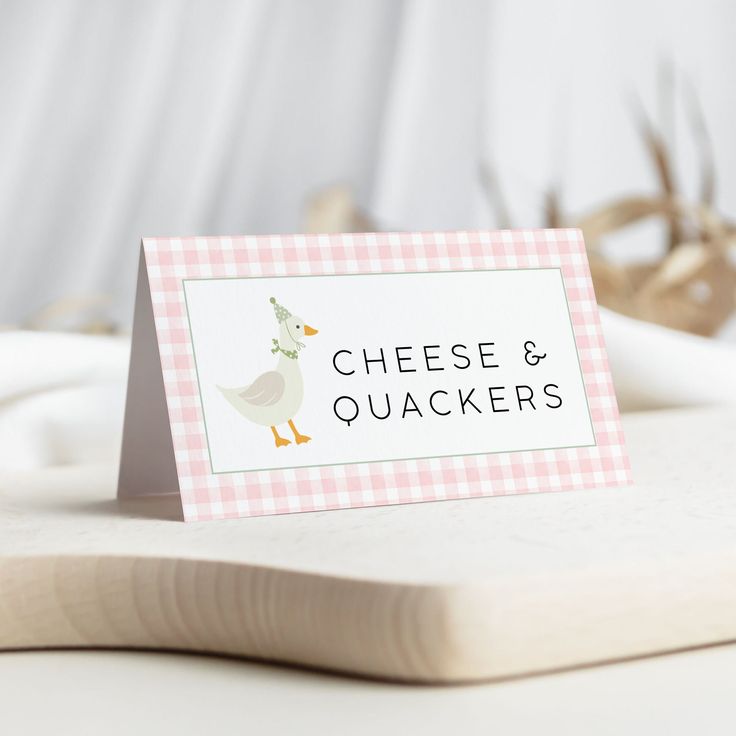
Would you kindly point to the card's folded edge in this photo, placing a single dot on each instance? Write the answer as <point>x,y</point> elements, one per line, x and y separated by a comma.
<point>147,461</point>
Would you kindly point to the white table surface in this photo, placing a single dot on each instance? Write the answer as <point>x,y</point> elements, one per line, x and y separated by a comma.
<point>449,591</point>
<point>139,693</point>
<point>111,692</point>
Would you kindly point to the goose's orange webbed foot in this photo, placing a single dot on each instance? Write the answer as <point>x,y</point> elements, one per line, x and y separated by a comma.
<point>300,438</point>
<point>280,441</point>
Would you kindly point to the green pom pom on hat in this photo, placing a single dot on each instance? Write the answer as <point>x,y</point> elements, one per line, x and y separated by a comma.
<point>282,313</point>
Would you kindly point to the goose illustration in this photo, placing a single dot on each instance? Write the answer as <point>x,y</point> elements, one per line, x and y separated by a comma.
<point>276,396</point>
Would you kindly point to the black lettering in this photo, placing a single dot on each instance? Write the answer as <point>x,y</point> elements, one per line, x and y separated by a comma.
<point>400,359</point>
<point>428,357</point>
<point>431,404</point>
<point>462,357</point>
<point>334,363</point>
<point>483,355</point>
<point>407,408</point>
<point>528,398</point>
<point>494,399</point>
<point>553,396</point>
<point>388,407</point>
<point>346,418</point>
<point>368,360</point>
<point>466,400</point>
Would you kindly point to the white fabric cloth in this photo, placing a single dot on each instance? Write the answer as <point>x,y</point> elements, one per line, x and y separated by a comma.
<point>62,395</point>
<point>61,398</point>
<point>655,368</point>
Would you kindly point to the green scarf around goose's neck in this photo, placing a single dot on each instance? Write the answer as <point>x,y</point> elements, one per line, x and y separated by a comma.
<point>293,354</point>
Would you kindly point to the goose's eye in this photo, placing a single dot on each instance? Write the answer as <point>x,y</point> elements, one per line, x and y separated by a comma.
<point>298,326</point>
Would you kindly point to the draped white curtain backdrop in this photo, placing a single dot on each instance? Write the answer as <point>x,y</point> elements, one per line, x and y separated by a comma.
<point>124,118</point>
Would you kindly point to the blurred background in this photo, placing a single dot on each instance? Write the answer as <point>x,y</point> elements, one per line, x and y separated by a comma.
<point>128,118</point>
<point>123,118</point>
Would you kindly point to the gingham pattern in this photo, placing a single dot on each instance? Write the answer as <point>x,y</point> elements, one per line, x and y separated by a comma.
<point>207,496</point>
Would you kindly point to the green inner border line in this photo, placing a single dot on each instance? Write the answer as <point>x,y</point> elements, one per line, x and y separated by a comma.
<point>391,273</point>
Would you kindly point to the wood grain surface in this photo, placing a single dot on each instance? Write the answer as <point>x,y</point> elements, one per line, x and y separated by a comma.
<point>435,592</point>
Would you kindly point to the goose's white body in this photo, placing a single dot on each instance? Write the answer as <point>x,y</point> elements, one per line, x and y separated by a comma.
<point>276,396</point>
<point>273,398</point>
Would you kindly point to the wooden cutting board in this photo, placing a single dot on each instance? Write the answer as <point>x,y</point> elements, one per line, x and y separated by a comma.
<point>434,592</point>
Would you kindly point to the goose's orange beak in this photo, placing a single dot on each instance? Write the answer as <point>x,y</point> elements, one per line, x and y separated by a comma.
<point>309,330</point>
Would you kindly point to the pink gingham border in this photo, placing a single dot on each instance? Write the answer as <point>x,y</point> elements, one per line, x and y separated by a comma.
<point>208,496</point>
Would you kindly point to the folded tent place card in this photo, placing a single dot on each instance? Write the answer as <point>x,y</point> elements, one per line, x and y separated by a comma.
<point>296,373</point>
